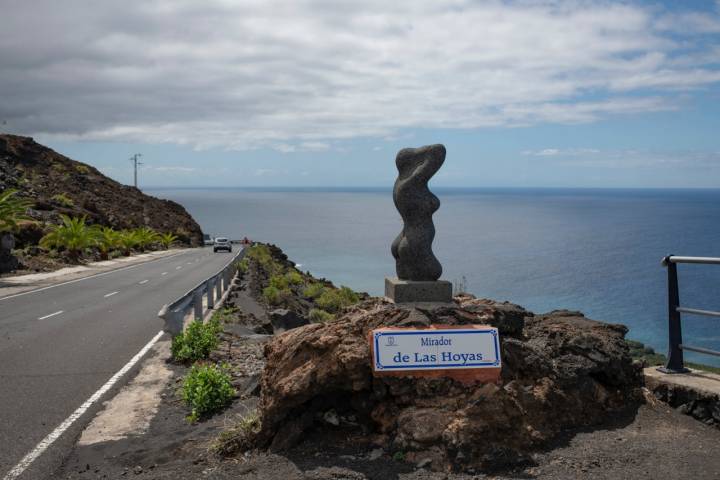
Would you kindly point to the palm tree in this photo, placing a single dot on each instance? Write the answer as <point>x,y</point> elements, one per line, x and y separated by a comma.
<point>167,239</point>
<point>12,210</point>
<point>145,237</point>
<point>108,240</point>
<point>128,240</point>
<point>74,235</point>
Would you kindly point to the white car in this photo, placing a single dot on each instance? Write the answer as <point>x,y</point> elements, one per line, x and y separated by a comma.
<point>222,243</point>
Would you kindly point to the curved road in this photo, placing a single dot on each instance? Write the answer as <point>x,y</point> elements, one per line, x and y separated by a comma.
<point>59,345</point>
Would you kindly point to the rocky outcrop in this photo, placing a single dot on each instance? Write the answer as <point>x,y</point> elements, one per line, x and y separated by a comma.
<point>57,184</point>
<point>560,370</point>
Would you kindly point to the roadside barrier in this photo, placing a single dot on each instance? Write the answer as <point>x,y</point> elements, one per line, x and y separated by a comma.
<point>200,300</point>
<point>676,346</point>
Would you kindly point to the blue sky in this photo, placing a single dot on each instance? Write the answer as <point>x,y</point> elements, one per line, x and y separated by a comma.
<point>314,93</point>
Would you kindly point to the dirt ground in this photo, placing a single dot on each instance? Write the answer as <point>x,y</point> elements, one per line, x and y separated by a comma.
<point>653,442</point>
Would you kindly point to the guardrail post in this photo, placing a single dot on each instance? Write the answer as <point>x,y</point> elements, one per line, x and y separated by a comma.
<point>209,288</point>
<point>197,304</point>
<point>675,354</point>
<point>228,277</point>
<point>218,287</point>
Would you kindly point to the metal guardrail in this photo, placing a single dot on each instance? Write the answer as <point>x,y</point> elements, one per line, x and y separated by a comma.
<point>200,299</point>
<point>676,346</point>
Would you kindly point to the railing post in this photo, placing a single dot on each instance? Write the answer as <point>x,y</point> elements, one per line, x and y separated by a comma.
<point>228,277</point>
<point>218,287</point>
<point>197,304</point>
<point>675,354</point>
<point>209,288</point>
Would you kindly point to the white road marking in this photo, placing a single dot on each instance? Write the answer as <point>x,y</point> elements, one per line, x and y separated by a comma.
<point>164,273</point>
<point>55,434</point>
<point>143,282</point>
<point>189,263</point>
<point>51,315</point>
<point>91,276</point>
<point>178,267</point>
<point>110,294</point>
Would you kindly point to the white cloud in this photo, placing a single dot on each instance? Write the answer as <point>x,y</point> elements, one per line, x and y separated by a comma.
<point>298,75</point>
<point>172,169</point>
<point>554,152</point>
<point>629,158</point>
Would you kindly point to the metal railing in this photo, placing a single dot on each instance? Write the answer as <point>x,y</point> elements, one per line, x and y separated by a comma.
<point>675,363</point>
<point>201,299</point>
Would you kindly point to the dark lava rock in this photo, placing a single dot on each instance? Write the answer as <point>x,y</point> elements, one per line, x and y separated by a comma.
<point>283,319</point>
<point>560,370</point>
<point>40,174</point>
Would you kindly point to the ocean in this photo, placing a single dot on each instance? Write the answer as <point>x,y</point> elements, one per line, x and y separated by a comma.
<point>593,250</point>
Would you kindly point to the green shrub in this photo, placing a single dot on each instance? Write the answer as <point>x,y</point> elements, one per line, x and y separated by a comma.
<point>279,282</point>
<point>333,300</point>
<point>207,389</point>
<point>317,315</point>
<point>314,290</point>
<point>167,239</point>
<point>12,210</point>
<point>242,265</point>
<point>74,235</point>
<point>293,277</point>
<point>82,169</point>
<point>63,200</point>
<point>276,296</point>
<point>261,254</point>
<point>197,341</point>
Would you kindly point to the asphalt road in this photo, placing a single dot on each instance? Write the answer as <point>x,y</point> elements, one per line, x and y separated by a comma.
<point>58,346</point>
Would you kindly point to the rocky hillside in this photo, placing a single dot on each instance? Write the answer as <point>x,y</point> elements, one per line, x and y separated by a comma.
<point>58,185</point>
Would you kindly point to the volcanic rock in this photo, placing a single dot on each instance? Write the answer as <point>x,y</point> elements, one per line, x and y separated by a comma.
<point>57,184</point>
<point>560,371</point>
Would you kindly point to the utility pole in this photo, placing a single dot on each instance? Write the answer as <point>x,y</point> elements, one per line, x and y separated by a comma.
<point>134,159</point>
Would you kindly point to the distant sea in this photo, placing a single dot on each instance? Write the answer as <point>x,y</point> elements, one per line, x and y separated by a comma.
<point>597,251</point>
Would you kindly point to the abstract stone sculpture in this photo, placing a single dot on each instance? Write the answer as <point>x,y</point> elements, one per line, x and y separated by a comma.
<point>412,249</point>
<point>417,268</point>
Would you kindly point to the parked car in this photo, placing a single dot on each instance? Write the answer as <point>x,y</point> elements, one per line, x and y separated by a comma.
<point>222,243</point>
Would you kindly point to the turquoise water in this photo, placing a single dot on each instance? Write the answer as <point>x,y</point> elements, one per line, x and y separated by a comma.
<point>597,251</point>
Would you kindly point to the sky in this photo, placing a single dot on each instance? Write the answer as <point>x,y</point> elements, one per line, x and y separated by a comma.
<point>525,93</point>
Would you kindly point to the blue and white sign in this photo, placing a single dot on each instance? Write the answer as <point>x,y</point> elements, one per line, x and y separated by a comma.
<point>435,349</point>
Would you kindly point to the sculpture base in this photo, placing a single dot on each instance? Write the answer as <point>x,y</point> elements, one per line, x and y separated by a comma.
<point>409,291</point>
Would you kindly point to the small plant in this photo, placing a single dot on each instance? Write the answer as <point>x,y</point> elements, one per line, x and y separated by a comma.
<point>333,300</point>
<point>398,456</point>
<point>197,341</point>
<point>128,240</point>
<point>261,254</point>
<point>314,290</point>
<point>242,266</point>
<point>145,237</point>
<point>293,277</point>
<point>63,200</point>
<point>107,240</point>
<point>82,169</point>
<point>167,239</point>
<point>207,389</point>
<point>279,282</point>
<point>275,296</point>
<point>12,210</point>
<point>239,437</point>
<point>317,315</point>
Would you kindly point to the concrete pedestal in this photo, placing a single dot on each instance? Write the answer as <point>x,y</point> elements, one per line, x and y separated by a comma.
<point>408,291</point>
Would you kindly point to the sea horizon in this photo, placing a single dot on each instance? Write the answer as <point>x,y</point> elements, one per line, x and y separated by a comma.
<point>588,249</point>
